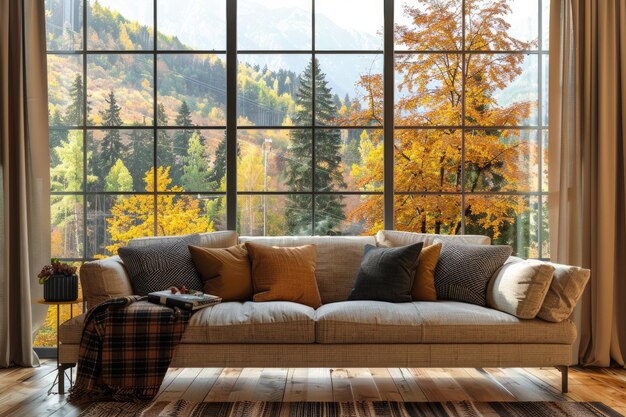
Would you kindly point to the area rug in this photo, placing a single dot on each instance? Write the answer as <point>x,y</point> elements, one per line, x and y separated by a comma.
<point>183,408</point>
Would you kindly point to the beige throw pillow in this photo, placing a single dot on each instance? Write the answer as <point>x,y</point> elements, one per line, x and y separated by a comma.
<point>519,288</point>
<point>284,274</point>
<point>565,290</point>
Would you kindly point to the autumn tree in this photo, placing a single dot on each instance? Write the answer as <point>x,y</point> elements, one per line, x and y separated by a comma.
<point>328,174</point>
<point>133,216</point>
<point>430,93</point>
<point>119,178</point>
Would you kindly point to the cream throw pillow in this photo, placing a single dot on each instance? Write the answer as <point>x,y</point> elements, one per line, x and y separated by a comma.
<point>566,288</point>
<point>519,287</point>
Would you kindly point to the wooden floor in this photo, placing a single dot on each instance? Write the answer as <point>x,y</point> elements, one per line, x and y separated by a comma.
<point>23,391</point>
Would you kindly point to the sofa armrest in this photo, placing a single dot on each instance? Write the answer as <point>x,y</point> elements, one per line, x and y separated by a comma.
<point>104,279</point>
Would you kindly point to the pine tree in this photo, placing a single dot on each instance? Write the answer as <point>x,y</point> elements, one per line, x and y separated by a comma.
<point>141,149</point>
<point>181,141</point>
<point>111,148</point>
<point>328,170</point>
<point>196,167</point>
<point>74,114</point>
<point>165,146</point>
<point>56,136</point>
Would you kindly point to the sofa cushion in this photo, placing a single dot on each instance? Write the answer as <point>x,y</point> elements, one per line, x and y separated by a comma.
<point>161,265</point>
<point>250,322</point>
<point>233,322</point>
<point>566,288</point>
<point>424,285</point>
<point>463,271</point>
<point>519,287</point>
<point>368,322</point>
<point>104,279</point>
<point>455,322</point>
<point>386,274</point>
<point>225,272</point>
<point>338,260</point>
<point>399,238</point>
<point>284,274</point>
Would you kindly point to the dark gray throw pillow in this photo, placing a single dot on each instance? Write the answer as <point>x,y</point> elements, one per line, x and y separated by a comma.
<point>161,265</point>
<point>386,274</point>
<point>463,271</point>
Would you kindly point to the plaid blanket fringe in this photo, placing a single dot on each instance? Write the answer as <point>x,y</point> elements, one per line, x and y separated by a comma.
<point>125,350</point>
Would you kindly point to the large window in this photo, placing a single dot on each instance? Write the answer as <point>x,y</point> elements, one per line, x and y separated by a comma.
<point>148,137</point>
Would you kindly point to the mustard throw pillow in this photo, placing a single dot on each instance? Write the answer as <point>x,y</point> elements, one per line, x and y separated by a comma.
<point>284,274</point>
<point>224,272</point>
<point>424,284</point>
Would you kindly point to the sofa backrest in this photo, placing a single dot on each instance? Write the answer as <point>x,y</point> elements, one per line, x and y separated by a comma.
<point>397,238</point>
<point>221,239</point>
<point>338,260</point>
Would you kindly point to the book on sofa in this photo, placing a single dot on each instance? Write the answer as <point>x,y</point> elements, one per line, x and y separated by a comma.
<point>185,301</point>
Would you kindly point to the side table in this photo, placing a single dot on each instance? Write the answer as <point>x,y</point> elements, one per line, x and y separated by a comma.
<point>59,367</point>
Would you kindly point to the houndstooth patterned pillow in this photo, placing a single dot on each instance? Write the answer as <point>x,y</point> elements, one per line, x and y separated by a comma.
<point>161,265</point>
<point>463,271</point>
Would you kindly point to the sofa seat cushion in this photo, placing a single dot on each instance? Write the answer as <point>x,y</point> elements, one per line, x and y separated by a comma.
<point>250,322</point>
<point>368,322</point>
<point>457,322</point>
<point>437,322</point>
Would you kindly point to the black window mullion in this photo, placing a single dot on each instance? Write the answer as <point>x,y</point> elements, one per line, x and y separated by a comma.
<point>154,117</point>
<point>388,116</point>
<point>231,114</point>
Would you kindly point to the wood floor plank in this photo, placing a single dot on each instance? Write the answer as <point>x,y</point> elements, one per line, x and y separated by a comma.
<point>201,385</point>
<point>224,385</point>
<point>438,385</point>
<point>407,385</point>
<point>271,384</point>
<point>479,385</point>
<point>243,390</point>
<point>179,385</point>
<point>308,384</point>
<point>342,391</point>
<point>363,385</point>
<point>387,388</point>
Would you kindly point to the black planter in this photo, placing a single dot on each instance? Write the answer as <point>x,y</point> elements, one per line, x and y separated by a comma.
<point>61,288</point>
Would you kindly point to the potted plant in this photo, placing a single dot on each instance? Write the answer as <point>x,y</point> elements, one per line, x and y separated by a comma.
<point>59,280</point>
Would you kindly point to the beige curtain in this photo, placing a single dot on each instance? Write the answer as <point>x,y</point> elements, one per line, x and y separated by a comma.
<point>587,153</point>
<point>24,177</point>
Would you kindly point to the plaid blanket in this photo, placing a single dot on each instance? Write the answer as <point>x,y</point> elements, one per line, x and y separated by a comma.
<point>125,350</point>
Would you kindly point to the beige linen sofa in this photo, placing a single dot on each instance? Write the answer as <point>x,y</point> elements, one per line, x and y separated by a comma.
<point>340,333</point>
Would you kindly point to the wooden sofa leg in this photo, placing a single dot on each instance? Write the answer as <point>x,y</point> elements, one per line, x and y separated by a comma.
<point>61,371</point>
<point>564,374</point>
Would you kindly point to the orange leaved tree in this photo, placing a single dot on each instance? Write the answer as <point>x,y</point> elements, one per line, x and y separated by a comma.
<point>133,216</point>
<point>430,91</point>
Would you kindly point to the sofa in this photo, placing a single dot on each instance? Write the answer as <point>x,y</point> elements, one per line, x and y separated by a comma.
<point>340,333</point>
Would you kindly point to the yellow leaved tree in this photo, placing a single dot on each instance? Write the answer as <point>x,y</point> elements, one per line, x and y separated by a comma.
<point>430,92</point>
<point>134,216</point>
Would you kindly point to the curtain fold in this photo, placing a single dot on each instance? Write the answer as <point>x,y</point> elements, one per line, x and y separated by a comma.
<point>24,177</point>
<point>587,209</point>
